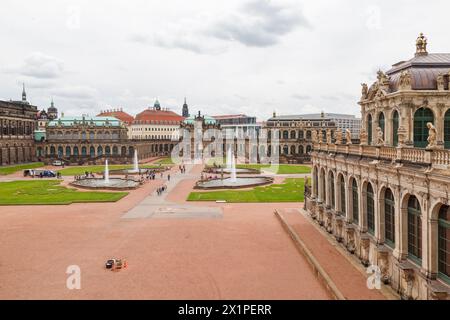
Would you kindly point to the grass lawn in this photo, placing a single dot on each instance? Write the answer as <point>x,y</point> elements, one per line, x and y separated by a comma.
<point>279,169</point>
<point>72,171</point>
<point>164,161</point>
<point>290,191</point>
<point>12,169</point>
<point>49,192</point>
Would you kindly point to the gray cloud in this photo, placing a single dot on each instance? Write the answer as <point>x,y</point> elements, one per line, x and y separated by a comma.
<point>75,92</point>
<point>39,65</point>
<point>301,96</point>
<point>259,23</point>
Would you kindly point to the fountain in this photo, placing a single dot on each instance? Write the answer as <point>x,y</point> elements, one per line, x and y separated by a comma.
<point>106,182</point>
<point>136,162</point>
<point>233,177</point>
<point>229,158</point>
<point>106,172</point>
<point>233,181</point>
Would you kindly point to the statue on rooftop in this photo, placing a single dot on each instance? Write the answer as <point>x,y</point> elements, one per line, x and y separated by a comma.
<point>348,136</point>
<point>405,80</point>
<point>338,136</point>
<point>421,45</point>
<point>364,91</point>
<point>380,137</point>
<point>431,136</point>
<point>440,81</point>
<point>363,136</point>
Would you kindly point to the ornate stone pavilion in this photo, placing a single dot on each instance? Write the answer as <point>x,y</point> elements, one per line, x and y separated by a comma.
<point>17,124</point>
<point>387,199</point>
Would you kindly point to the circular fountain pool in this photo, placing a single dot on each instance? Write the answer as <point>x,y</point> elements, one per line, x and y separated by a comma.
<point>228,183</point>
<point>113,184</point>
<point>228,171</point>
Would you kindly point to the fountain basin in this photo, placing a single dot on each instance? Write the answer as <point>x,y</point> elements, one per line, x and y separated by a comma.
<point>228,183</point>
<point>113,184</point>
<point>228,171</point>
<point>135,172</point>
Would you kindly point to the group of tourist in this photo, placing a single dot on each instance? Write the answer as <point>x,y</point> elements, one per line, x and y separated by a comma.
<point>160,190</point>
<point>182,168</point>
<point>86,175</point>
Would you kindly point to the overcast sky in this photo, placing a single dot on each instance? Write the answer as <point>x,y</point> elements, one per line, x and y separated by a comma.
<point>226,57</point>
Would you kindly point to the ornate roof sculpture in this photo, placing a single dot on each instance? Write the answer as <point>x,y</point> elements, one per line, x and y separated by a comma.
<point>425,71</point>
<point>87,121</point>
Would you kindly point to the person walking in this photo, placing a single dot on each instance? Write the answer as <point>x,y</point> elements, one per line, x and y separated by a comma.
<point>168,177</point>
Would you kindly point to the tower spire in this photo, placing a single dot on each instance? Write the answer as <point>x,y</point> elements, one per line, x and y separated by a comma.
<point>24,94</point>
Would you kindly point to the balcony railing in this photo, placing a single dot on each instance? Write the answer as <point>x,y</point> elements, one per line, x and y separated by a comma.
<point>435,157</point>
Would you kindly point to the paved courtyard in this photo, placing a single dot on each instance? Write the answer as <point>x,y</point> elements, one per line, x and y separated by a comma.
<point>175,249</point>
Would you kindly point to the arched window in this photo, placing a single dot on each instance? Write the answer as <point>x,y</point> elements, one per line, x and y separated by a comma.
<point>92,152</point>
<point>342,185</point>
<point>83,151</point>
<point>100,151</point>
<point>285,134</point>
<point>355,202</point>
<point>67,151</point>
<point>75,151</point>
<point>447,130</point>
<point>301,150</point>
<point>293,150</point>
<point>83,135</point>
<point>322,186</point>
<point>286,150</point>
<point>108,150</point>
<point>52,150</point>
<point>395,125</point>
<point>381,123</point>
<point>370,209</point>
<point>316,182</point>
<point>389,218</point>
<point>421,118</point>
<point>444,243</point>
<point>308,149</point>
<point>414,229</point>
<point>308,135</point>
<point>292,134</point>
<point>123,150</point>
<point>332,193</point>
<point>300,134</point>
<point>115,151</point>
<point>369,128</point>
<point>60,151</point>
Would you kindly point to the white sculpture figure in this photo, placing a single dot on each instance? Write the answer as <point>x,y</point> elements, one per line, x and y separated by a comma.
<point>431,136</point>
<point>329,138</point>
<point>380,136</point>
<point>314,136</point>
<point>338,136</point>
<point>348,136</point>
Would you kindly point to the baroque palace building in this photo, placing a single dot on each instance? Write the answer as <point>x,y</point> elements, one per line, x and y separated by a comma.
<point>387,199</point>
<point>295,134</point>
<point>17,125</point>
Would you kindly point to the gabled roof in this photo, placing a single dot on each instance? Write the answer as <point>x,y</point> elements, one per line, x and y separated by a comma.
<point>119,114</point>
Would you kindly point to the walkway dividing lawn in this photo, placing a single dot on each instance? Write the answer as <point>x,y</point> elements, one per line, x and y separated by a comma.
<point>337,270</point>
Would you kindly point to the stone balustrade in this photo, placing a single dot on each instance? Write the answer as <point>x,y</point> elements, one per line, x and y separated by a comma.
<point>438,157</point>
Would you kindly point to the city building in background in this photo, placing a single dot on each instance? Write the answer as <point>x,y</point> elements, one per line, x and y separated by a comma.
<point>386,199</point>
<point>155,123</point>
<point>295,134</point>
<point>342,121</point>
<point>17,125</point>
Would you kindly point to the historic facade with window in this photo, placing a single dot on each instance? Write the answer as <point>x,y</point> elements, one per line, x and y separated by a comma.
<point>17,125</point>
<point>396,181</point>
<point>295,134</point>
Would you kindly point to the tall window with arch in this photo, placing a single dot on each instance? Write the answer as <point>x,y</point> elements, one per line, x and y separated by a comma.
<point>342,191</point>
<point>370,202</point>
<point>414,229</point>
<point>447,129</point>
<point>444,243</point>
<point>395,125</point>
<point>421,117</point>
<point>381,124</point>
<point>389,218</point>
<point>332,191</point>
<point>355,202</point>
<point>369,128</point>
